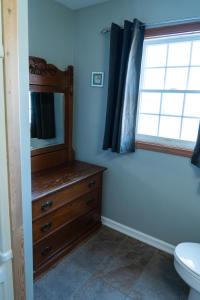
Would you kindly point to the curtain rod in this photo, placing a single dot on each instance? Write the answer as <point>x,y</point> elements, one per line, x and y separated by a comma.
<point>162,23</point>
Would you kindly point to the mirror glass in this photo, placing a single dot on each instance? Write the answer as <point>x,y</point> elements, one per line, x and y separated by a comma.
<point>46,115</point>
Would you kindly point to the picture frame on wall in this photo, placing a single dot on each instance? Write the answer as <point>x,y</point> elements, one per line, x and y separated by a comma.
<point>97,79</point>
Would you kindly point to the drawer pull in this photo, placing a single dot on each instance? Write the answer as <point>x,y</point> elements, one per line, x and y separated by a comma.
<point>46,250</point>
<point>90,202</point>
<point>92,184</point>
<point>46,227</point>
<point>46,205</point>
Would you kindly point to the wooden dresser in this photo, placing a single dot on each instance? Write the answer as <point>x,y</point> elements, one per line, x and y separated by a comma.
<point>66,209</point>
<point>66,193</point>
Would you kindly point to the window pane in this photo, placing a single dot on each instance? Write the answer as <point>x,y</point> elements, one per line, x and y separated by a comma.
<point>150,103</point>
<point>156,55</point>
<point>154,78</point>
<point>192,105</point>
<point>194,79</point>
<point>176,78</point>
<point>169,127</point>
<point>179,54</point>
<point>190,129</point>
<point>195,53</point>
<point>172,104</point>
<point>167,106</point>
<point>148,124</point>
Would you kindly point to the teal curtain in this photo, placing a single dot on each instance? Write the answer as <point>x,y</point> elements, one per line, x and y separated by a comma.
<point>126,47</point>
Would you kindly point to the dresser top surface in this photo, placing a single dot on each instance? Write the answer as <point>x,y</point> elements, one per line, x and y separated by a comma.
<point>50,180</point>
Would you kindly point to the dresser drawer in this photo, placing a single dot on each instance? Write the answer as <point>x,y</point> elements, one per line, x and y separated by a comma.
<point>64,214</point>
<point>63,237</point>
<point>48,203</point>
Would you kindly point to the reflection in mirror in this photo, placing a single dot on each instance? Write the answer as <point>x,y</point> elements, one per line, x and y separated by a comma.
<point>46,119</point>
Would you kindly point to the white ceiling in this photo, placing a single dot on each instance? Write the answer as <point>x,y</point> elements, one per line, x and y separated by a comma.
<point>76,4</point>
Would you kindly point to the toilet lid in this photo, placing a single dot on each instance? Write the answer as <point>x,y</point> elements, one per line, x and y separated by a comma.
<point>189,255</point>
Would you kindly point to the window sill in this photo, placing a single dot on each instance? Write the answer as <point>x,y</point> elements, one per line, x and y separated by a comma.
<point>164,148</point>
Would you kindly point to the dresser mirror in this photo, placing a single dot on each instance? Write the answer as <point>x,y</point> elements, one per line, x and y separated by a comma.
<point>46,119</point>
<point>50,102</point>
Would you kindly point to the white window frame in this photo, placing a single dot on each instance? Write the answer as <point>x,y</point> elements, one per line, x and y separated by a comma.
<point>161,140</point>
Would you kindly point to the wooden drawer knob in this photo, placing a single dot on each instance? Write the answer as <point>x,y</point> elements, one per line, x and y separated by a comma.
<point>46,227</point>
<point>46,250</point>
<point>46,205</point>
<point>92,184</point>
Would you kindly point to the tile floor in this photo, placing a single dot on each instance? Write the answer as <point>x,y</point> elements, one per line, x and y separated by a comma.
<point>112,266</point>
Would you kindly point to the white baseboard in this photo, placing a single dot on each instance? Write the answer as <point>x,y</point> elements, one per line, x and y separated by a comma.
<point>143,237</point>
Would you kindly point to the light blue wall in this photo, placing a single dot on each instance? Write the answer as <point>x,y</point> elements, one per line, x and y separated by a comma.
<point>155,193</point>
<point>51,33</point>
<point>51,36</point>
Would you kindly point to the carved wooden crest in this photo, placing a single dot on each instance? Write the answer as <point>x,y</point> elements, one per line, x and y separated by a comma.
<point>39,66</point>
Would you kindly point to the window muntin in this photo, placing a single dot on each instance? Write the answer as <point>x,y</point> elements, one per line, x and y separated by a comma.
<point>169,98</point>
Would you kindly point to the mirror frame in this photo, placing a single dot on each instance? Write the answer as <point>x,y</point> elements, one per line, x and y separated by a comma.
<point>48,78</point>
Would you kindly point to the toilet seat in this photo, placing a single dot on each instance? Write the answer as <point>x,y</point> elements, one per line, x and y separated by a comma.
<point>187,263</point>
<point>188,254</point>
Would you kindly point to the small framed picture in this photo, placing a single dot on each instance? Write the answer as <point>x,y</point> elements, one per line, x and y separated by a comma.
<point>97,79</point>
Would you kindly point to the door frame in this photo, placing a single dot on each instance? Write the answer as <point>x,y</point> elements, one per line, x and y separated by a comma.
<point>15,42</point>
<point>6,275</point>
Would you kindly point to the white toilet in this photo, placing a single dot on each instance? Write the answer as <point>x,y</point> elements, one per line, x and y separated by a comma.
<point>187,264</point>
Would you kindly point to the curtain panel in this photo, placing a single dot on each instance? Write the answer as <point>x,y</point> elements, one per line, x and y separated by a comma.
<point>126,47</point>
<point>196,153</point>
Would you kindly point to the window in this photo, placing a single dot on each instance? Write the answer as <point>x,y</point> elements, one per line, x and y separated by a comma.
<point>169,97</point>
